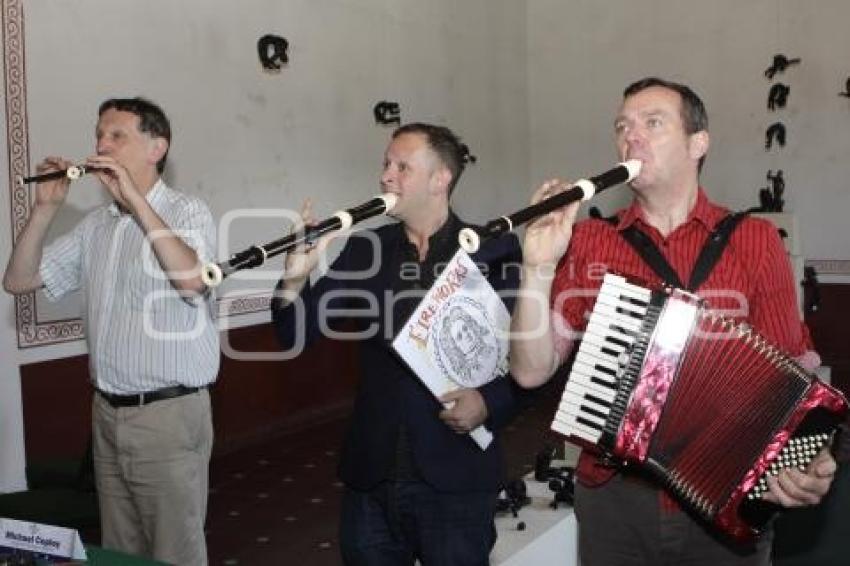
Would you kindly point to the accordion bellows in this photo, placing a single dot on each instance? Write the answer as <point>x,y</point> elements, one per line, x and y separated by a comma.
<point>705,404</point>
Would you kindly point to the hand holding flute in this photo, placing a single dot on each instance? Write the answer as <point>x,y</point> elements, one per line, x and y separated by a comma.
<point>51,190</point>
<point>547,237</point>
<point>304,258</point>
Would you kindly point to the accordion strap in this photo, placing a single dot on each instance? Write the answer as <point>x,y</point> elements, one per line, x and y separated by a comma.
<point>711,251</point>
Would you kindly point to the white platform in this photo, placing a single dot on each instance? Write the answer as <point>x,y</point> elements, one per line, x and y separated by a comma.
<point>549,537</point>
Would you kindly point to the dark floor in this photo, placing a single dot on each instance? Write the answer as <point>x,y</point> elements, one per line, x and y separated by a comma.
<point>277,503</point>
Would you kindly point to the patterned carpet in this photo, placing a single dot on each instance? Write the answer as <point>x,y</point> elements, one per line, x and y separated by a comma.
<point>277,503</point>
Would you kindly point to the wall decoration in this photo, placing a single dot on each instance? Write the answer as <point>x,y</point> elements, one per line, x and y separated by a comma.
<point>776,130</point>
<point>771,197</point>
<point>846,92</point>
<point>778,96</point>
<point>780,64</point>
<point>272,51</point>
<point>387,113</point>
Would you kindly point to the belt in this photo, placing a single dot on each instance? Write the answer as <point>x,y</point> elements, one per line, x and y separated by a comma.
<point>140,399</point>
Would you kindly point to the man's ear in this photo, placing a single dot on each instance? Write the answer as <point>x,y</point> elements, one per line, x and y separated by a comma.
<point>699,144</point>
<point>157,149</point>
<point>442,178</point>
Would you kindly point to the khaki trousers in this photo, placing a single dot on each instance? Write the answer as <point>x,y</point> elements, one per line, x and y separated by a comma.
<point>152,471</point>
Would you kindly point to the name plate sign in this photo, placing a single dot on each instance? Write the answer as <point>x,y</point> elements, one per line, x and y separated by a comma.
<point>43,541</point>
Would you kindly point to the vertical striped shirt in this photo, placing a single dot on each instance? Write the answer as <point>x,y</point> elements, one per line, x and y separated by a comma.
<point>141,334</point>
<point>752,281</point>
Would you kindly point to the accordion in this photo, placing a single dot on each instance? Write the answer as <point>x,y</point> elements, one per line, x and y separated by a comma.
<point>704,404</point>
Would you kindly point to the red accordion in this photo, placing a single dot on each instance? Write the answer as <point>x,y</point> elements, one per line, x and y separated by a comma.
<point>704,404</point>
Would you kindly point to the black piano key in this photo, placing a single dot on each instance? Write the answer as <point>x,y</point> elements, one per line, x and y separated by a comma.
<point>622,330</point>
<point>595,412</point>
<point>628,313</point>
<point>602,382</point>
<point>591,424</point>
<point>609,351</point>
<point>597,400</point>
<point>603,369</point>
<point>633,301</point>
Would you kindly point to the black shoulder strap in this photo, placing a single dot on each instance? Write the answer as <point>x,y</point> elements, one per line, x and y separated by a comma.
<point>713,248</point>
<point>711,251</point>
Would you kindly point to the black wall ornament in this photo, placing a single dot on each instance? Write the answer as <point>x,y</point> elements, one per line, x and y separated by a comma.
<point>272,51</point>
<point>778,96</point>
<point>770,197</point>
<point>776,130</point>
<point>846,92</point>
<point>780,64</point>
<point>387,113</point>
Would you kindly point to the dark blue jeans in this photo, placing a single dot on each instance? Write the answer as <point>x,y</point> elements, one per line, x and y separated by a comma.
<point>398,522</point>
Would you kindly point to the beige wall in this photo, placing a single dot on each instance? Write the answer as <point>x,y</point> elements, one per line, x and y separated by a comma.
<point>582,54</point>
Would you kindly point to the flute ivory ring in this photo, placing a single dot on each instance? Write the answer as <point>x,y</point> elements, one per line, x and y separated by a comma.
<point>212,275</point>
<point>74,172</point>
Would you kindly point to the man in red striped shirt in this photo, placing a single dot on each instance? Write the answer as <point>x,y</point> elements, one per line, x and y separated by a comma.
<point>625,519</point>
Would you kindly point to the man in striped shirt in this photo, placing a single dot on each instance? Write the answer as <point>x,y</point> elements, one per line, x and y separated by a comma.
<point>625,519</point>
<point>153,345</point>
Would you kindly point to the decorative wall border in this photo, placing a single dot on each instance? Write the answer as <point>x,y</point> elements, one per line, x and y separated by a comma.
<point>830,266</point>
<point>30,331</point>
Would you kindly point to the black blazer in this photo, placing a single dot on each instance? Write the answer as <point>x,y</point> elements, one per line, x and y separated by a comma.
<point>389,393</point>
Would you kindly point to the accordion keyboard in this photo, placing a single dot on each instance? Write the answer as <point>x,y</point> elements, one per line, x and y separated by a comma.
<point>589,406</point>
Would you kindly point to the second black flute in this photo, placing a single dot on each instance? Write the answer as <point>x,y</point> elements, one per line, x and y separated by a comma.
<point>214,273</point>
<point>73,173</point>
<point>583,189</point>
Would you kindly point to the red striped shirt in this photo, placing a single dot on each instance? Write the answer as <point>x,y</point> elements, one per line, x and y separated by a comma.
<point>753,280</point>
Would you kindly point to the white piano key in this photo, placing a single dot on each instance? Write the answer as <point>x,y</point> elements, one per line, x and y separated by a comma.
<point>585,388</point>
<point>608,332</point>
<point>595,352</point>
<point>578,411</point>
<point>593,361</point>
<point>578,399</point>
<point>571,421</point>
<point>597,343</point>
<point>590,375</point>
<point>627,309</point>
<point>566,430</point>
<point>622,287</point>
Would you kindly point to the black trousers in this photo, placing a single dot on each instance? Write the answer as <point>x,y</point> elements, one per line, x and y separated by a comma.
<point>401,521</point>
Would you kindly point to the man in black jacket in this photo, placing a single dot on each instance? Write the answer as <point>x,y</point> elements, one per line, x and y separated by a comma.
<point>417,486</point>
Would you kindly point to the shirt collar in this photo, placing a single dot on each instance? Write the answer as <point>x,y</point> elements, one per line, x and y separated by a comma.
<point>441,243</point>
<point>704,212</point>
<point>445,238</point>
<point>154,197</point>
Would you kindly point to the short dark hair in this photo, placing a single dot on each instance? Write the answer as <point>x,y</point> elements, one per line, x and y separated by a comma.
<point>694,116</point>
<point>152,120</point>
<point>453,153</point>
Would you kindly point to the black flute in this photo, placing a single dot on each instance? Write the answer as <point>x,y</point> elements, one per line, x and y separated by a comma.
<point>214,273</point>
<point>73,173</point>
<point>583,189</point>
